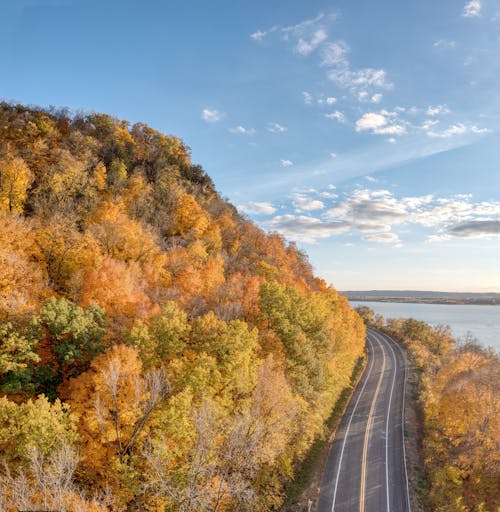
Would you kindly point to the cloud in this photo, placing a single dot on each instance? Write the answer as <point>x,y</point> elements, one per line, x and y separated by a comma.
<point>382,238</point>
<point>299,30</point>
<point>286,163</point>
<point>211,115</point>
<point>444,44</point>
<point>241,130</point>
<point>361,78</point>
<point>377,98</point>
<point>475,229</point>
<point>258,208</point>
<point>371,179</point>
<point>305,47</point>
<point>379,124</point>
<point>335,54</point>
<point>308,97</point>
<point>276,128</point>
<point>330,100</point>
<point>454,130</point>
<point>437,110</point>
<point>337,115</point>
<point>259,35</point>
<point>472,9</point>
<point>305,229</point>
<point>304,203</point>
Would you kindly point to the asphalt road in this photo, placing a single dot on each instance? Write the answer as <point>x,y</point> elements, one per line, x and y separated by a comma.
<point>366,468</point>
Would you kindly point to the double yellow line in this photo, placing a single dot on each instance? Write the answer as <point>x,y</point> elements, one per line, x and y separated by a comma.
<point>367,435</point>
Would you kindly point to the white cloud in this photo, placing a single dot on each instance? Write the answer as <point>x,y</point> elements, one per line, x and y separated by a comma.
<point>303,228</point>
<point>371,179</point>
<point>258,208</point>
<point>455,130</point>
<point>370,121</point>
<point>437,110</point>
<point>276,128</point>
<point>337,116</point>
<point>379,124</point>
<point>286,163</point>
<point>377,98</point>
<point>382,238</point>
<point>305,47</point>
<point>308,97</point>
<point>333,155</point>
<point>241,130</point>
<point>211,115</point>
<point>359,78</point>
<point>259,35</point>
<point>472,9</point>
<point>335,54</point>
<point>330,100</point>
<point>444,43</point>
<point>304,203</point>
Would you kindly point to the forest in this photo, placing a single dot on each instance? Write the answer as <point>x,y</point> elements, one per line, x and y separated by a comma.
<point>158,351</point>
<point>459,408</point>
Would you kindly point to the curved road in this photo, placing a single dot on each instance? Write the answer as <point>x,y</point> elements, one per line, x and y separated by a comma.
<point>366,468</point>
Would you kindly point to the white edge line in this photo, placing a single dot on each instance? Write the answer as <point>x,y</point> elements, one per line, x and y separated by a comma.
<point>408,500</point>
<point>349,425</point>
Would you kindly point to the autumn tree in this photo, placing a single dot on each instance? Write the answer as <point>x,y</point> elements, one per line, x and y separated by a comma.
<point>15,180</point>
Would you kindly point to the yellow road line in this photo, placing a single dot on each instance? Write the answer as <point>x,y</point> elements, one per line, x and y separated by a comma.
<point>367,434</point>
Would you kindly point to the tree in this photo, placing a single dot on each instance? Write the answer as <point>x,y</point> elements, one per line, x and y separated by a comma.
<point>15,180</point>
<point>17,353</point>
<point>72,337</point>
<point>34,424</point>
<point>115,404</point>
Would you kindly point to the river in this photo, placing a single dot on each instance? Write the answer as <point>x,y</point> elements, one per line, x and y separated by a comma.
<point>482,322</point>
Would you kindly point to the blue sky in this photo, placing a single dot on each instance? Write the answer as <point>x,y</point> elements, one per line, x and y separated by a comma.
<point>366,131</point>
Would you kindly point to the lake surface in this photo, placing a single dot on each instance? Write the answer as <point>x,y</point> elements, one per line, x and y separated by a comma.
<point>483,322</point>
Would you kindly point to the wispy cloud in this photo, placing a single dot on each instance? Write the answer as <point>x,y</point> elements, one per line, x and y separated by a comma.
<point>286,163</point>
<point>472,9</point>
<point>211,115</point>
<point>337,116</point>
<point>241,130</point>
<point>303,203</point>
<point>276,128</point>
<point>258,208</point>
<point>297,30</point>
<point>437,110</point>
<point>305,47</point>
<point>444,44</point>
<point>454,130</point>
<point>304,228</point>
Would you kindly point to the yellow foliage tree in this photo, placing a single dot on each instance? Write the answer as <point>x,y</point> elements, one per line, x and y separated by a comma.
<point>15,180</point>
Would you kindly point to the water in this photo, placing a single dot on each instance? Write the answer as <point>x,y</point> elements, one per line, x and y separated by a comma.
<point>483,322</point>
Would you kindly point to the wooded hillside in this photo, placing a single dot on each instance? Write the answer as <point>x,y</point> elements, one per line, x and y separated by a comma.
<point>158,351</point>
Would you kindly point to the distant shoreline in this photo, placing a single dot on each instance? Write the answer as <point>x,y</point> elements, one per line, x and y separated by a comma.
<point>427,300</point>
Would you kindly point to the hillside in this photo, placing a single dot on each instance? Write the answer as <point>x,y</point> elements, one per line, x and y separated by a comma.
<point>158,351</point>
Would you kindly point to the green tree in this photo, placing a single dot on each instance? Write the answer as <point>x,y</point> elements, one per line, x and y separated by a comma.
<point>17,353</point>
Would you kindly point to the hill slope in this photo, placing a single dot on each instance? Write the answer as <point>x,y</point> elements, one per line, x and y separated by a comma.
<point>188,358</point>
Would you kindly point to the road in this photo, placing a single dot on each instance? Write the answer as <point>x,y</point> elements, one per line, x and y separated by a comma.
<point>366,469</point>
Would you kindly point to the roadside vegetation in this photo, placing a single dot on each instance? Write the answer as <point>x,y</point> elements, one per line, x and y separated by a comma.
<point>458,395</point>
<point>158,351</point>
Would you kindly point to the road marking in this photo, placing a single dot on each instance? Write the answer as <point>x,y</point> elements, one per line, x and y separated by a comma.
<point>349,425</point>
<point>391,342</point>
<point>367,433</point>
<point>387,427</point>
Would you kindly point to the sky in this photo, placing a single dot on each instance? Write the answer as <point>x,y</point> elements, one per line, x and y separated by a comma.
<point>367,132</point>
